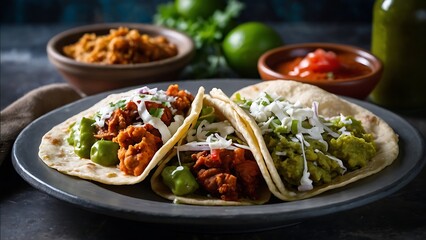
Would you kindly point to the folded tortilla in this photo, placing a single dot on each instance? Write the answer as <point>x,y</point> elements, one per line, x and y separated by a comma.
<point>58,154</point>
<point>385,139</point>
<point>223,111</point>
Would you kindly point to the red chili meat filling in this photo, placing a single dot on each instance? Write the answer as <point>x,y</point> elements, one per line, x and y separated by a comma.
<point>228,174</point>
<point>119,120</point>
<point>139,144</point>
<point>137,147</point>
<point>183,99</point>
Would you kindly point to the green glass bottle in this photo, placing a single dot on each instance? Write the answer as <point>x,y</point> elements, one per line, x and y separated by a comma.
<point>399,40</point>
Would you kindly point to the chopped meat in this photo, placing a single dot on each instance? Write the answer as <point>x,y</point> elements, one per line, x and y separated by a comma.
<point>121,46</point>
<point>139,144</point>
<point>249,177</point>
<point>167,116</point>
<point>218,183</point>
<point>229,174</point>
<point>204,159</point>
<point>119,120</point>
<point>183,98</point>
<point>247,172</point>
<point>137,147</point>
<point>154,132</point>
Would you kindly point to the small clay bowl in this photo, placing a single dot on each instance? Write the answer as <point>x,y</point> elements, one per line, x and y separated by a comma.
<point>92,78</point>
<point>357,86</point>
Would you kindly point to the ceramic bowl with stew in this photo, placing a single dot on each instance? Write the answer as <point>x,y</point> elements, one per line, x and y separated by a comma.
<point>341,69</point>
<point>118,61</point>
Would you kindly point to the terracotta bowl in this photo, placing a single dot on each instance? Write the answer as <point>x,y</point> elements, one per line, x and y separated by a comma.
<point>356,87</point>
<point>91,78</point>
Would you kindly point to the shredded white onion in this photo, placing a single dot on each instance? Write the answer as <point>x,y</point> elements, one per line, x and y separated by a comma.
<point>340,162</point>
<point>305,182</point>
<point>139,97</point>
<point>209,136</point>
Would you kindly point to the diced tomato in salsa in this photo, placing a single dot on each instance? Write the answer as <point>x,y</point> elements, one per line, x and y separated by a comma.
<point>320,61</point>
<point>323,65</point>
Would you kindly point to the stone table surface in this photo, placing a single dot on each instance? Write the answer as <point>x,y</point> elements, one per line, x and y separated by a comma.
<point>27,213</point>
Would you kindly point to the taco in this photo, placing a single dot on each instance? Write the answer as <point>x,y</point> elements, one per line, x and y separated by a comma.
<point>215,163</point>
<point>123,137</point>
<point>313,141</point>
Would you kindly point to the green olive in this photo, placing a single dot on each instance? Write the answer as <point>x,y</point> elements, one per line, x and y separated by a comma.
<point>179,179</point>
<point>105,153</point>
<point>82,137</point>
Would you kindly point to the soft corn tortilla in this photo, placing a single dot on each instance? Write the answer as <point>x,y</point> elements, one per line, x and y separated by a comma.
<point>55,151</point>
<point>329,105</point>
<point>227,112</point>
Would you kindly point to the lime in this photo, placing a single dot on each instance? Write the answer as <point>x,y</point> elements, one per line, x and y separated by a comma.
<point>193,9</point>
<point>244,44</point>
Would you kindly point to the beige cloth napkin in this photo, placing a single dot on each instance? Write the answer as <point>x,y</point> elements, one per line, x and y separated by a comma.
<point>32,105</point>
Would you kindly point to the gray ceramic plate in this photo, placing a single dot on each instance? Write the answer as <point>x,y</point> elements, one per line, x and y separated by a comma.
<point>139,203</point>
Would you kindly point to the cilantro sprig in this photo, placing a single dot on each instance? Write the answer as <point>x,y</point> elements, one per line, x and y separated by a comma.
<point>120,104</point>
<point>206,33</point>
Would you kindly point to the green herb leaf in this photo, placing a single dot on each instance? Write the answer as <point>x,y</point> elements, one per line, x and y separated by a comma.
<point>120,104</point>
<point>156,112</point>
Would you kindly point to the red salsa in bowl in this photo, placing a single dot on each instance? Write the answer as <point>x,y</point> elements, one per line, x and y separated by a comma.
<point>340,69</point>
<point>323,65</point>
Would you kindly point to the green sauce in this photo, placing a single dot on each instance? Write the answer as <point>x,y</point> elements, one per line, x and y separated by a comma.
<point>355,150</point>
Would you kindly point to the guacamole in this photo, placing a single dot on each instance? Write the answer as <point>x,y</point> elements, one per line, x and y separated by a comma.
<point>307,149</point>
